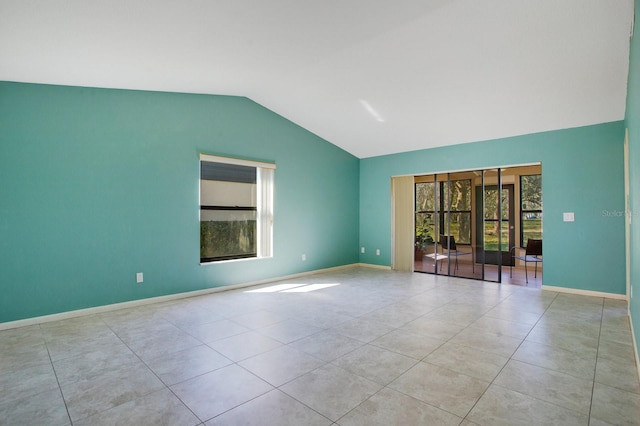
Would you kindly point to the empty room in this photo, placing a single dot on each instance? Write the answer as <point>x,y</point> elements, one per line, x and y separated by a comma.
<point>319,213</point>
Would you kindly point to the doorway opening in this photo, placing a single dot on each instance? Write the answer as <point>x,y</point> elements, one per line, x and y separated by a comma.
<point>476,223</point>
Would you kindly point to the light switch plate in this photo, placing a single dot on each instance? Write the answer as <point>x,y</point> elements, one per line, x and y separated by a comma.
<point>568,217</point>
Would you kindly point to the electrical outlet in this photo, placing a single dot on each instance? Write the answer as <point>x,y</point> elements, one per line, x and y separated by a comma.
<point>361,249</point>
<point>304,257</point>
<point>139,277</point>
<point>377,252</point>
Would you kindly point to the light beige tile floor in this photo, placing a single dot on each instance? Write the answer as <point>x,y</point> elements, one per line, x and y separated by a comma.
<point>358,346</point>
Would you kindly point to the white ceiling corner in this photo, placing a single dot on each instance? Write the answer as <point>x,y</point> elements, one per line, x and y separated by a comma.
<point>373,77</point>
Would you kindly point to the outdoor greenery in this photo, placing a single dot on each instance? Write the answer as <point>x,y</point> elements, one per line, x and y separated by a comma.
<point>433,201</point>
<point>531,207</point>
<point>491,204</point>
<point>491,236</point>
<point>425,230</point>
<point>532,229</point>
<point>492,218</point>
<point>531,192</point>
<point>227,239</point>
<point>432,219</point>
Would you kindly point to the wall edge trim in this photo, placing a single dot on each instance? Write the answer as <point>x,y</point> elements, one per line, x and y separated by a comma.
<point>635,343</point>
<point>584,292</point>
<point>374,266</point>
<point>176,296</point>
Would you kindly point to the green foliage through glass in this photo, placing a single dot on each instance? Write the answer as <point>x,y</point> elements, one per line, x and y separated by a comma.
<point>227,239</point>
<point>530,208</point>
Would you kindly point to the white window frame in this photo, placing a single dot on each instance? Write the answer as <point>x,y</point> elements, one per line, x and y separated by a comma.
<point>265,183</point>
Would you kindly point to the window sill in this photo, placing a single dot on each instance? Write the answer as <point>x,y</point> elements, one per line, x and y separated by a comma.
<point>245,259</point>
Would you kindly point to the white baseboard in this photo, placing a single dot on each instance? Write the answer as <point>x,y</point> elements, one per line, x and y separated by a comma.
<point>607,295</point>
<point>585,292</point>
<point>169,297</point>
<point>371,265</point>
<point>635,345</point>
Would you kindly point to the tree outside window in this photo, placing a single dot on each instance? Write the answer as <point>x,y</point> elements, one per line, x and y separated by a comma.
<point>530,208</point>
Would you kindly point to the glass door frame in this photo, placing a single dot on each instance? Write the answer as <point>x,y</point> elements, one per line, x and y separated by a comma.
<point>499,177</point>
<point>441,220</point>
<point>481,221</point>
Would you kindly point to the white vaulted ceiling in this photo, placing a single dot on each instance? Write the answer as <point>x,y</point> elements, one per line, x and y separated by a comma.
<point>373,77</point>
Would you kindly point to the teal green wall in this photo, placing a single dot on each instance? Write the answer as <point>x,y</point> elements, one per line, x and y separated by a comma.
<point>633,124</point>
<point>99,184</point>
<point>96,185</point>
<point>582,172</point>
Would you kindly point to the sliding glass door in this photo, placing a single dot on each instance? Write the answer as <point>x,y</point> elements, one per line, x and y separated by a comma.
<point>443,225</point>
<point>496,226</point>
<point>427,223</point>
<point>468,224</point>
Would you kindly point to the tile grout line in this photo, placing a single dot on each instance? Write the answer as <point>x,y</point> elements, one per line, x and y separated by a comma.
<point>152,372</point>
<point>510,358</point>
<point>426,356</point>
<point>237,364</point>
<point>416,363</point>
<point>349,352</point>
<point>595,367</point>
<point>465,291</point>
<point>53,367</point>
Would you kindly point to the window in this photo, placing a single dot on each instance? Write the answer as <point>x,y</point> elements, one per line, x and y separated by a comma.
<point>236,209</point>
<point>530,208</point>
<point>425,211</point>
<point>455,218</point>
<point>497,222</point>
<point>447,202</point>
